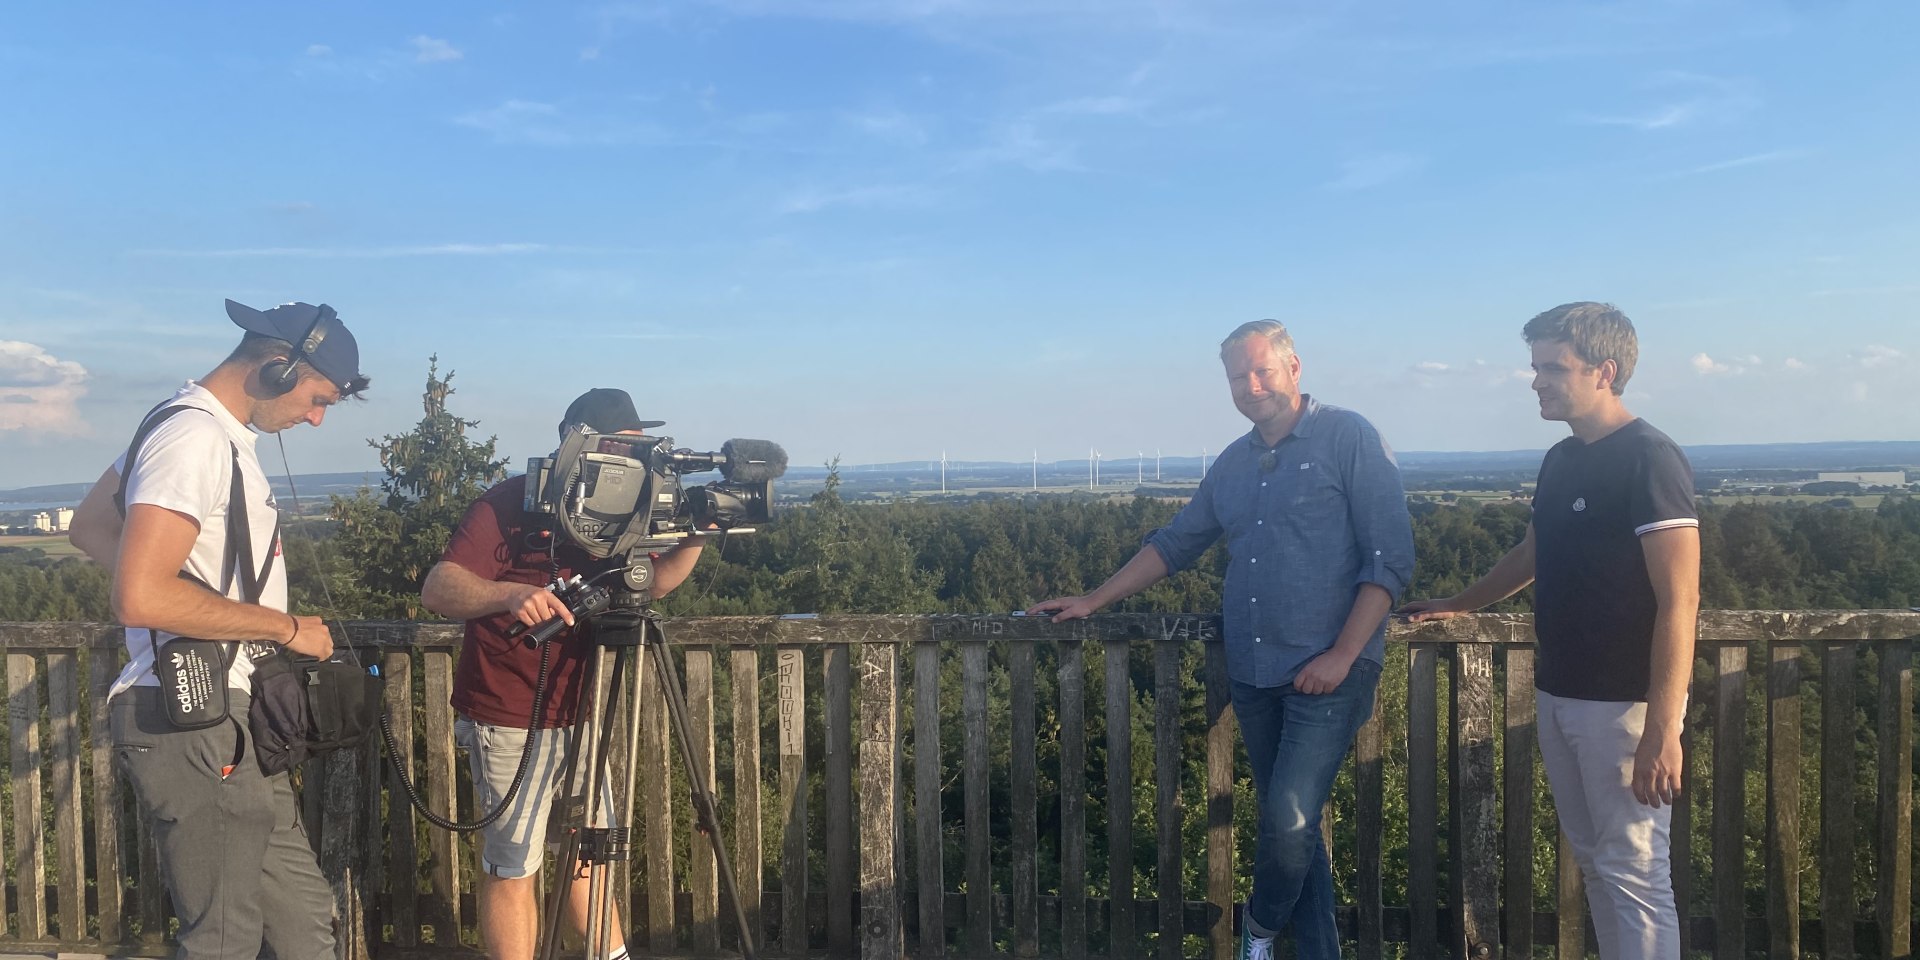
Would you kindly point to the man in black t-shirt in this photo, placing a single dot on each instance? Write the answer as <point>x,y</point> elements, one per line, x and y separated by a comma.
<point>1613,552</point>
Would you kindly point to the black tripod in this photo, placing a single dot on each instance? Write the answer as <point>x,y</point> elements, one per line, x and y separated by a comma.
<point>621,624</point>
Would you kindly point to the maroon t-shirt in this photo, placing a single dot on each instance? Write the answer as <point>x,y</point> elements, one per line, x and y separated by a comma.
<point>493,684</point>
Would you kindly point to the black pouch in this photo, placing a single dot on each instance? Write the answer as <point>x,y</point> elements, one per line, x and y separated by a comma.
<point>193,681</point>
<point>304,708</point>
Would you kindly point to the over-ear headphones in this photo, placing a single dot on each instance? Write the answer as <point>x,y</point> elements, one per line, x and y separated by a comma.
<point>277,377</point>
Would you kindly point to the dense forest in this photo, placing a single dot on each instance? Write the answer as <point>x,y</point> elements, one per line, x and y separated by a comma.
<point>996,555</point>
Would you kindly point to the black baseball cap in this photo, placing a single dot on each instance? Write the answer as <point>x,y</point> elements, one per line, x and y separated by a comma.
<point>326,346</point>
<point>606,410</point>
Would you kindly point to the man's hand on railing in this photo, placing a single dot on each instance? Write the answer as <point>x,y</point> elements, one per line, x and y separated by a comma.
<point>1422,610</point>
<point>1064,608</point>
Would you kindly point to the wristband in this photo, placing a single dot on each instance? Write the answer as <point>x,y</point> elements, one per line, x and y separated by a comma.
<point>296,630</point>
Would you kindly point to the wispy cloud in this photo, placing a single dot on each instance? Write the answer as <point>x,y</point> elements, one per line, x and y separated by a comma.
<point>1375,170</point>
<point>888,195</point>
<point>1707,366</point>
<point>1686,99</point>
<point>1871,291</point>
<point>319,50</point>
<point>1752,159</point>
<point>1022,144</point>
<point>41,391</point>
<point>434,50</point>
<point>371,253</point>
<point>546,124</point>
<point>891,126</point>
<point>1098,106</point>
<point>1876,355</point>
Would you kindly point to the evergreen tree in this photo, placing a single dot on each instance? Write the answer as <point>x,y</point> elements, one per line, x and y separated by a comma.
<point>389,542</point>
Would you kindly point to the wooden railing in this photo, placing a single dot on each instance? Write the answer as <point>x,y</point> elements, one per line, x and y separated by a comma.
<point>842,850</point>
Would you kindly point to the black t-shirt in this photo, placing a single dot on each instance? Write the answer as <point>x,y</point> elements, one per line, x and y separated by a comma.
<point>1593,602</point>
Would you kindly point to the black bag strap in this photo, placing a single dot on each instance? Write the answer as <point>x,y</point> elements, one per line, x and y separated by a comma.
<point>154,418</point>
<point>239,553</point>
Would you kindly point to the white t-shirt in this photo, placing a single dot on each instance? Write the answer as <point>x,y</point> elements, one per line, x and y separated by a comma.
<point>186,465</point>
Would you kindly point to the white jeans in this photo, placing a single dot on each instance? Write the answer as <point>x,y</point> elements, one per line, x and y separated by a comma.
<point>1621,844</point>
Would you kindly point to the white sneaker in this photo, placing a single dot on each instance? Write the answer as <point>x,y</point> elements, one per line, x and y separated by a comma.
<point>1252,947</point>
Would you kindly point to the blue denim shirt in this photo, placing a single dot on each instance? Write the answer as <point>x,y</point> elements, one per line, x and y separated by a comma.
<point>1307,522</point>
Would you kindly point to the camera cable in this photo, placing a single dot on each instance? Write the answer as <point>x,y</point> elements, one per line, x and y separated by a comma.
<point>386,715</point>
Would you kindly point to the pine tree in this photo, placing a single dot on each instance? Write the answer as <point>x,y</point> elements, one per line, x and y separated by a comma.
<point>389,542</point>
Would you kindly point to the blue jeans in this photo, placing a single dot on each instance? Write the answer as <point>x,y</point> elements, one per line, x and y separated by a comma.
<point>1296,742</point>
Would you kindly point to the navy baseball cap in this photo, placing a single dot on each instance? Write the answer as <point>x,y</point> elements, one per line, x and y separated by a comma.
<point>606,410</point>
<point>326,346</point>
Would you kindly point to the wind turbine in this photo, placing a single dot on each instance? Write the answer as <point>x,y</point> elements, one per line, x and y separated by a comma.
<point>1139,468</point>
<point>1156,464</point>
<point>1203,462</point>
<point>1036,470</point>
<point>943,471</point>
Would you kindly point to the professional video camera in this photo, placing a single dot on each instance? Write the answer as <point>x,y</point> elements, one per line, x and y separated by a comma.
<point>612,494</point>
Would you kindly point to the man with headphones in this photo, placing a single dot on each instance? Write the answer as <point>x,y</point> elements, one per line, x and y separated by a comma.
<point>189,524</point>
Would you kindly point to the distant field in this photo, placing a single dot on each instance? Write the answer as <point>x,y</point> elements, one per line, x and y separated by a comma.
<point>1865,501</point>
<point>55,544</point>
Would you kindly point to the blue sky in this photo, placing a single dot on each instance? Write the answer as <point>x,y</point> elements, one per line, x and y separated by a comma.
<point>882,228</point>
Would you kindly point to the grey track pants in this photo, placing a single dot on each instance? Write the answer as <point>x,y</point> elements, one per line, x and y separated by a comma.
<point>232,851</point>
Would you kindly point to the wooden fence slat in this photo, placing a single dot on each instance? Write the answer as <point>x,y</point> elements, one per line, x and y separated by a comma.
<point>1729,801</point>
<point>748,866</point>
<point>1120,890</point>
<point>791,687</point>
<point>1783,800</point>
<point>1073,800</point>
<point>1221,735</point>
<point>838,757</point>
<point>704,881</point>
<point>1423,799</point>
<point>929,856</point>
<point>371,856</point>
<point>403,859</point>
<point>1837,853</point>
<point>69,834</point>
<point>1023,768</point>
<point>442,793</point>
<point>880,927</point>
<point>1680,826</point>
<point>1167,809</point>
<point>1475,874</point>
<point>654,794</point>
<point>108,799</point>
<point>343,838</point>
<point>978,815</point>
<point>29,846</point>
<point>1522,739</point>
<point>1570,908</point>
<point>1893,901</point>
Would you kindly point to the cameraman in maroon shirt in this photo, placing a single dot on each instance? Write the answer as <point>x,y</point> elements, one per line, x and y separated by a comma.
<point>494,575</point>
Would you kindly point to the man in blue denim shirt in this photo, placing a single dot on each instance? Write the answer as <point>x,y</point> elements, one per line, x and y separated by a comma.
<point>1319,549</point>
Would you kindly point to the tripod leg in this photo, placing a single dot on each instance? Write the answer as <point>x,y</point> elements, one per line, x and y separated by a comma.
<point>706,812</point>
<point>580,782</point>
<point>564,821</point>
<point>601,912</point>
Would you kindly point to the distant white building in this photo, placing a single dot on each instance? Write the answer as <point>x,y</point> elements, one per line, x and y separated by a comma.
<point>63,520</point>
<point>1890,478</point>
<point>42,523</point>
